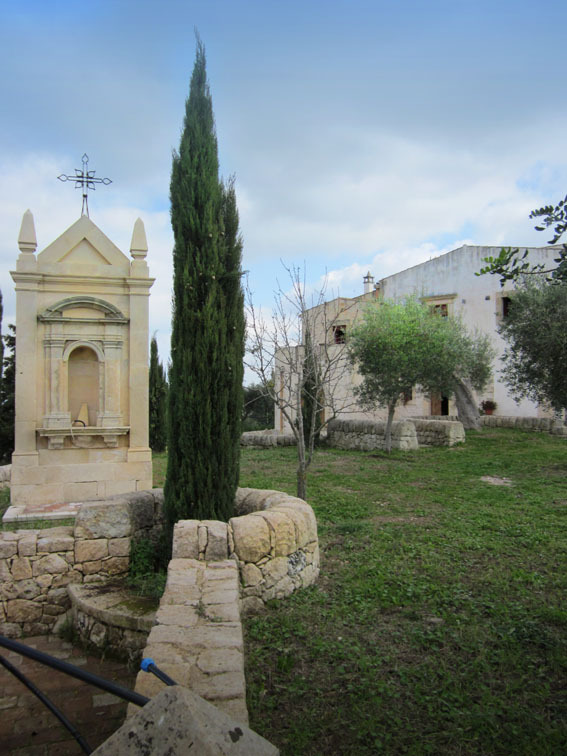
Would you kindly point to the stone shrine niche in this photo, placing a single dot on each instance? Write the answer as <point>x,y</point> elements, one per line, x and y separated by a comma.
<point>83,339</point>
<point>81,367</point>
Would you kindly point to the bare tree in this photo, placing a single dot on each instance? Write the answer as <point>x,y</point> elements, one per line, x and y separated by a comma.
<point>299,357</point>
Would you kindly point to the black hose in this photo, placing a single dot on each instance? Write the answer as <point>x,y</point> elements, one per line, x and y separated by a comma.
<point>47,702</point>
<point>70,669</point>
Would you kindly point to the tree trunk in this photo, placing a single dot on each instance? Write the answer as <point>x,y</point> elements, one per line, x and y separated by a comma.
<point>467,410</point>
<point>301,481</point>
<point>388,432</point>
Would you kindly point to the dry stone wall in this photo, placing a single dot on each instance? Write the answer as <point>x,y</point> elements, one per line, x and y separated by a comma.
<point>268,437</point>
<point>36,566</point>
<point>366,435</point>
<point>439,432</point>
<point>197,639</point>
<point>273,541</point>
<point>409,434</point>
<point>542,424</point>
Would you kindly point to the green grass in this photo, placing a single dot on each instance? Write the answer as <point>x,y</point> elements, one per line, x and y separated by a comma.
<point>438,624</point>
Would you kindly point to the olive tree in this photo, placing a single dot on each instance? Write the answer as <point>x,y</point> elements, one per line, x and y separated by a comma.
<point>402,346</point>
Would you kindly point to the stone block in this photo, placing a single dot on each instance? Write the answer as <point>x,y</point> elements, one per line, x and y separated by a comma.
<point>115,565</point>
<point>217,540</point>
<point>227,596</point>
<point>44,581</point>
<point>283,531</point>
<point>7,548</point>
<point>27,546</point>
<point>51,564</point>
<point>56,542</point>
<point>274,570</point>
<point>251,537</point>
<point>89,550</point>
<point>12,630</point>
<point>73,576</point>
<point>22,610</point>
<point>211,662</point>
<point>116,517</point>
<point>284,587</point>
<point>184,616</point>
<point>218,687</point>
<point>8,590</point>
<point>189,723</point>
<point>216,636</point>
<point>186,539</point>
<point>227,612</point>
<point>92,568</point>
<point>119,547</point>
<point>20,567</point>
<point>26,589</point>
<point>251,575</point>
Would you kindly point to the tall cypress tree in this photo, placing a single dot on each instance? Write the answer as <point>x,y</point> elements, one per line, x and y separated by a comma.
<point>1,342</point>
<point>7,397</point>
<point>158,400</point>
<point>205,394</point>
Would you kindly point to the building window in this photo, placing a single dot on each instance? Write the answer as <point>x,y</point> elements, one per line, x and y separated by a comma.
<point>339,334</point>
<point>505,306</point>
<point>407,396</point>
<point>440,309</point>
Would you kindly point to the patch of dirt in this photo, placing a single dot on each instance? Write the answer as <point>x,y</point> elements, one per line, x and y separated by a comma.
<point>495,481</point>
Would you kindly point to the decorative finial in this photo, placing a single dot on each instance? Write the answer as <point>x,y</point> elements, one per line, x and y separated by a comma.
<point>139,244</point>
<point>85,179</point>
<point>27,241</point>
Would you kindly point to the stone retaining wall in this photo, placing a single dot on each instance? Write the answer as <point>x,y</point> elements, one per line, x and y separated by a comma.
<point>273,541</point>
<point>36,566</point>
<point>439,432</point>
<point>268,437</point>
<point>542,424</point>
<point>366,435</point>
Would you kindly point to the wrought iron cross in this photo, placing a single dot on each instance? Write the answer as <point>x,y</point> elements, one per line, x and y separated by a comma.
<point>86,180</point>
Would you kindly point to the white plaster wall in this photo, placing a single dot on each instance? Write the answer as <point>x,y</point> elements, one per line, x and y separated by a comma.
<point>449,279</point>
<point>476,302</point>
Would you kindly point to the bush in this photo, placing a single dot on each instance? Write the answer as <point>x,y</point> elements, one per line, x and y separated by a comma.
<point>147,575</point>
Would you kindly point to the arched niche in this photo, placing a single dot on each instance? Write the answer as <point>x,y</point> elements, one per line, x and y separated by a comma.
<point>83,381</point>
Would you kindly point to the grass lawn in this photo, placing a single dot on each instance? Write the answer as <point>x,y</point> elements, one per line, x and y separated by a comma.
<point>438,625</point>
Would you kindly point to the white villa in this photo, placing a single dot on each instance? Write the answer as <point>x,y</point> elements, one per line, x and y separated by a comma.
<point>449,284</point>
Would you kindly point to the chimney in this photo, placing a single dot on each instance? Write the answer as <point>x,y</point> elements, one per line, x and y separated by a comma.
<point>368,283</point>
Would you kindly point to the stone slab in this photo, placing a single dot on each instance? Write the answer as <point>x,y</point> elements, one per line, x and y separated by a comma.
<point>177,721</point>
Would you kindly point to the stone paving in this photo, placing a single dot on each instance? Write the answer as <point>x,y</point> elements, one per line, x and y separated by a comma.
<point>28,728</point>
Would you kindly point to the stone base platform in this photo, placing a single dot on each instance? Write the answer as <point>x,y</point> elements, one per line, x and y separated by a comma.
<point>27,513</point>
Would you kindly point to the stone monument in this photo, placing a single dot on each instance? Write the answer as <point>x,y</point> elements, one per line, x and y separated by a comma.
<point>81,367</point>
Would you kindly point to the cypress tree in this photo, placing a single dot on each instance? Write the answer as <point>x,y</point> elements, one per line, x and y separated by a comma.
<point>158,400</point>
<point>1,342</point>
<point>7,397</point>
<point>205,378</point>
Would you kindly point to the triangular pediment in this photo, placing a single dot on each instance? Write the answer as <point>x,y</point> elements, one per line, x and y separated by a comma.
<point>83,249</point>
<point>85,254</point>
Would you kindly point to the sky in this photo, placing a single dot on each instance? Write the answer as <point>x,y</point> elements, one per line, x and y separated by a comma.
<point>363,134</point>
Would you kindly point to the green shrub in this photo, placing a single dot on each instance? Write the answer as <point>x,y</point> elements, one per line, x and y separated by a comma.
<point>147,575</point>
